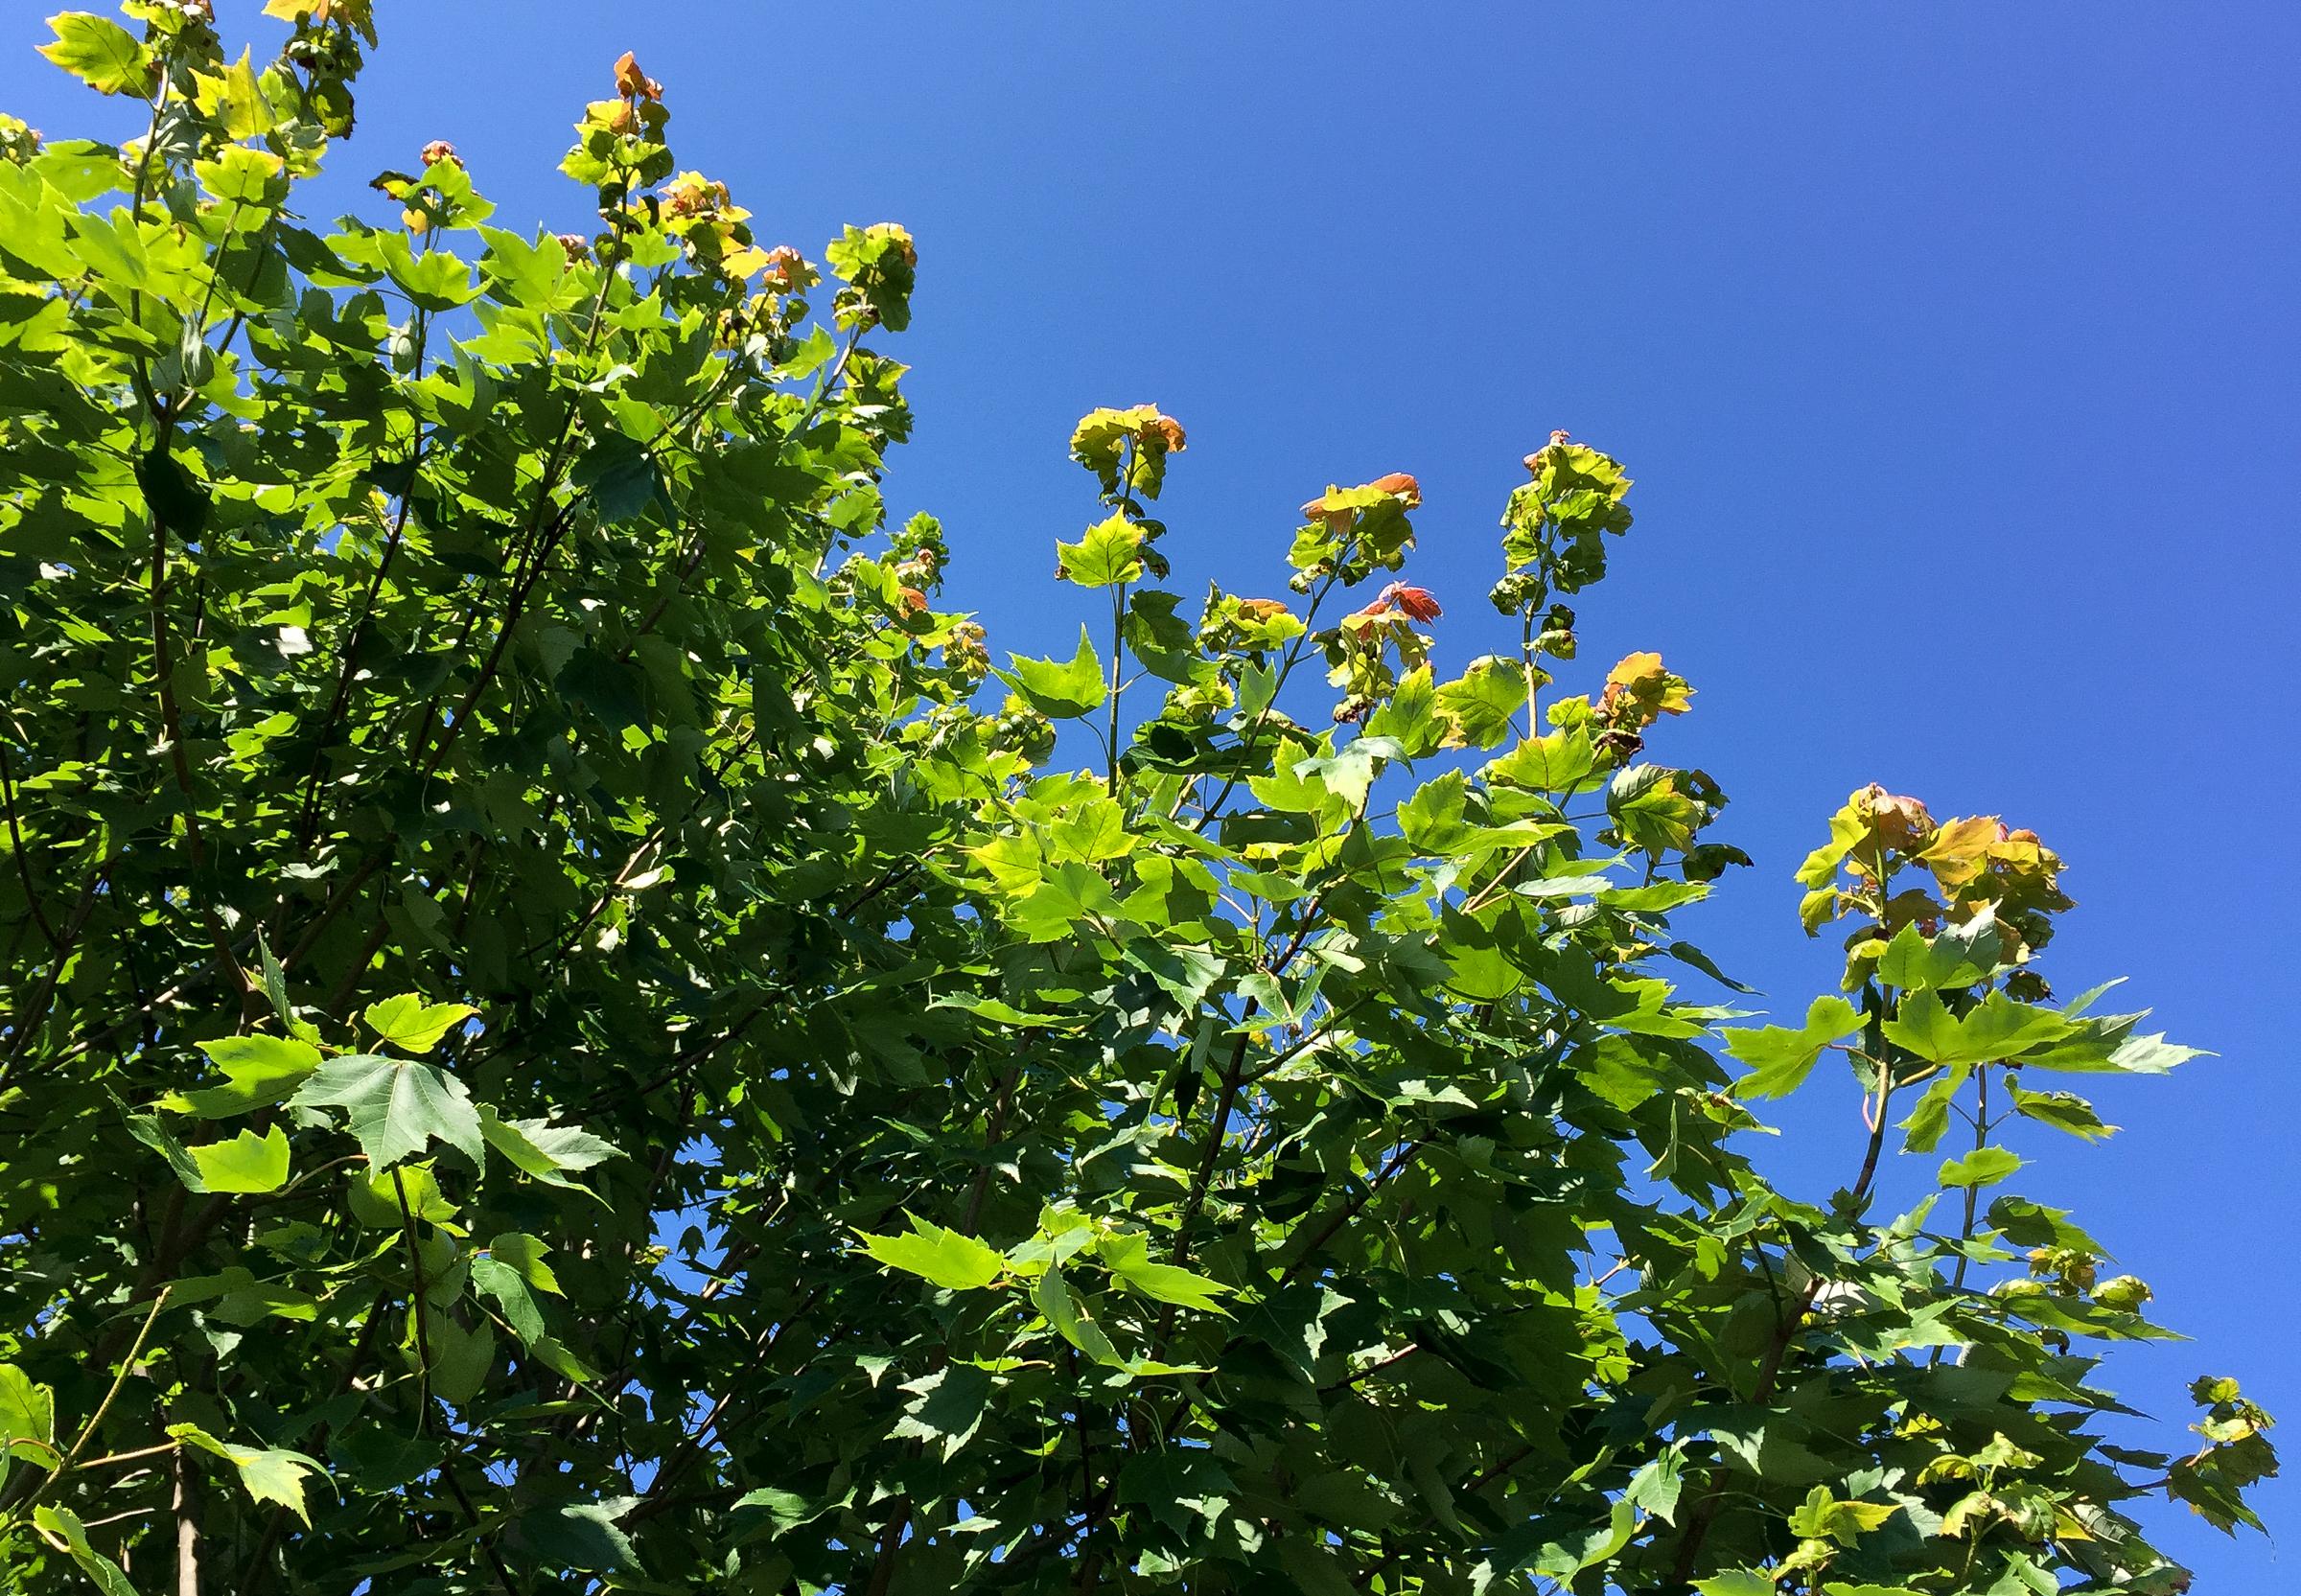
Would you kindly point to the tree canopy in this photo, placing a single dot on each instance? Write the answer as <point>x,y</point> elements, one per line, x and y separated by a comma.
<point>569,1029</point>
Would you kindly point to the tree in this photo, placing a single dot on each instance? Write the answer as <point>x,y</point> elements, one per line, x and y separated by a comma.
<point>553,1046</point>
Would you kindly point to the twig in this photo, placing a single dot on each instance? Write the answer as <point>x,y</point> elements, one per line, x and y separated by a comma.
<point>40,1482</point>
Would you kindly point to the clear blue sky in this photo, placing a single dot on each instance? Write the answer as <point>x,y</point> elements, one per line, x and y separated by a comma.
<point>1954,347</point>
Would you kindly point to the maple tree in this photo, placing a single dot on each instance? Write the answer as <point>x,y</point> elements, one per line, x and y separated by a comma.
<point>567,1030</point>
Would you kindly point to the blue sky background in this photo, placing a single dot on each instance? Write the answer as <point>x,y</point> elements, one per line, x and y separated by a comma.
<point>1954,348</point>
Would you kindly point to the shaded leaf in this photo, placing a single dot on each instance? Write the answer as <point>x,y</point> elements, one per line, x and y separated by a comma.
<point>396,1107</point>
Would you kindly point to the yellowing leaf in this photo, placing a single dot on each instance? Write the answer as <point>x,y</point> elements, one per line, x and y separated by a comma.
<point>1821,1516</point>
<point>1638,691</point>
<point>235,98</point>
<point>1847,828</point>
<point>1135,442</point>
<point>358,14</point>
<point>99,52</point>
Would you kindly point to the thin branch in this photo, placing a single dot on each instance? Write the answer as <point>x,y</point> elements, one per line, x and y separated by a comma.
<point>15,838</point>
<point>42,1482</point>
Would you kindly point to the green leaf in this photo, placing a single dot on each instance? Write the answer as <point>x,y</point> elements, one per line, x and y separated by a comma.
<point>246,1163</point>
<point>609,688</point>
<point>434,280</point>
<point>1108,555</point>
<point>1982,1166</point>
<point>494,1278</point>
<point>2064,1111</point>
<point>1781,1058</point>
<point>1997,1029</point>
<point>28,1417</point>
<point>1656,1487</point>
<point>1600,1545</point>
<point>1961,955</point>
<point>258,1071</point>
<point>1128,1258</point>
<point>374,1196</point>
<point>2026,1225</point>
<point>277,1477</point>
<point>582,1536</point>
<point>1740,1583</point>
<point>178,502</point>
<point>2108,1046</point>
<point>545,1150</point>
<point>1180,1486</point>
<point>1477,707</point>
<point>148,1129</point>
<point>396,1107</point>
<point>2004,1028</point>
<point>276,988</point>
<point>62,1527</point>
<point>786,1510</point>
<point>945,1258</point>
<point>1431,819</point>
<point>268,1474</point>
<point>1052,1296</point>
<point>1409,717</point>
<point>1290,788</point>
<point>520,271</point>
<point>99,52</point>
<point>412,1025</point>
<point>947,1407</point>
<point>523,1256</point>
<point>238,175</point>
<point>460,1358</point>
<point>1930,1117</point>
<point>242,1299</point>
<point>1685,953</point>
<point>1059,689</point>
<point>1346,774</point>
<point>1558,762</point>
<point>620,477</point>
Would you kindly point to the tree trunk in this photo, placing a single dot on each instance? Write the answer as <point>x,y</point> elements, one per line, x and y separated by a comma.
<point>187,1531</point>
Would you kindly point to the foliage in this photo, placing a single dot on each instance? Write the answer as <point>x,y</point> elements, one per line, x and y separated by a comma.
<point>553,1047</point>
